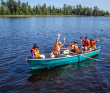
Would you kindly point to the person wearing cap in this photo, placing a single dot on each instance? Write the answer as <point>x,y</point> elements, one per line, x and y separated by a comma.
<point>86,43</point>
<point>74,48</point>
<point>57,46</point>
<point>35,51</point>
<point>93,43</point>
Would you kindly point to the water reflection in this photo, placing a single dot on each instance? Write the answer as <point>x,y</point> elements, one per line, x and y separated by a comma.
<point>62,71</point>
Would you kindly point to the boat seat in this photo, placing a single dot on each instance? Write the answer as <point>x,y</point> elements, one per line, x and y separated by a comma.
<point>62,55</point>
<point>95,49</point>
<point>47,55</point>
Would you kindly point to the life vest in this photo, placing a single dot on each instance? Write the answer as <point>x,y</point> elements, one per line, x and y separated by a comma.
<point>92,44</point>
<point>85,43</point>
<point>56,49</point>
<point>36,52</point>
<point>73,48</point>
<point>76,49</point>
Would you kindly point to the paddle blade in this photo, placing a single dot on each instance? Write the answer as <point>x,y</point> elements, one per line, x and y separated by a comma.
<point>99,47</point>
<point>98,60</point>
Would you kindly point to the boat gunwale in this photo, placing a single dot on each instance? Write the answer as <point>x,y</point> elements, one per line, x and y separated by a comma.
<point>63,57</point>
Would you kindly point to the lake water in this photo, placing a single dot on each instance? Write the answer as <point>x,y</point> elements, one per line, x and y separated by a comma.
<point>17,36</point>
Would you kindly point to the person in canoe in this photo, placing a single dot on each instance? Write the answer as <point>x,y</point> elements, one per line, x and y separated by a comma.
<point>35,51</point>
<point>93,44</point>
<point>86,43</point>
<point>74,49</point>
<point>57,46</point>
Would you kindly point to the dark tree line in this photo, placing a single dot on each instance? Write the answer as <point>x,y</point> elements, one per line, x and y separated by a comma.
<point>12,7</point>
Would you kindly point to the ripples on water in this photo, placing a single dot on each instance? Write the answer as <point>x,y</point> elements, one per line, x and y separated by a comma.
<point>17,36</point>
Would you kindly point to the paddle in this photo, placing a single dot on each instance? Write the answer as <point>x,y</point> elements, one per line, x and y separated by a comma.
<point>84,56</point>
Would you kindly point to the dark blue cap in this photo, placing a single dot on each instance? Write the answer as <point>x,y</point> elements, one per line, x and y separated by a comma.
<point>75,41</point>
<point>36,46</point>
<point>91,39</point>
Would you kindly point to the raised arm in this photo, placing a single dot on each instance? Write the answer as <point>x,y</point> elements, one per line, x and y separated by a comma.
<point>58,38</point>
<point>63,41</point>
<point>81,38</point>
<point>97,41</point>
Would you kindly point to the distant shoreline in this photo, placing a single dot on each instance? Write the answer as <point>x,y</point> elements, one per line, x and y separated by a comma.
<point>48,16</point>
<point>42,15</point>
<point>107,15</point>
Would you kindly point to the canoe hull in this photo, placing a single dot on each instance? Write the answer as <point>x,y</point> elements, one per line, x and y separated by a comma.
<point>52,62</point>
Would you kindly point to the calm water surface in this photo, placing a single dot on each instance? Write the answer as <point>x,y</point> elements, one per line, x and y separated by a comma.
<point>17,36</point>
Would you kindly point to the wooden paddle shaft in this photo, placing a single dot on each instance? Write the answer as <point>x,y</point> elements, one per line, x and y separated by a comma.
<point>82,55</point>
<point>86,57</point>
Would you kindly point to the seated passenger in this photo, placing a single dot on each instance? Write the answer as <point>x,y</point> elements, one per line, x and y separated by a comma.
<point>35,51</point>
<point>86,43</point>
<point>93,43</point>
<point>57,46</point>
<point>73,49</point>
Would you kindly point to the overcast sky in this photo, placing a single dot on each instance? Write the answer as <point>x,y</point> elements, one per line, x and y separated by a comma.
<point>102,4</point>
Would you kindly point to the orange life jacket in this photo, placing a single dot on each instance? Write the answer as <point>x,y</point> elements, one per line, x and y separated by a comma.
<point>76,49</point>
<point>56,49</point>
<point>36,52</point>
<point>70,50</point>
<point>85,43</point>
<point>92,44</point>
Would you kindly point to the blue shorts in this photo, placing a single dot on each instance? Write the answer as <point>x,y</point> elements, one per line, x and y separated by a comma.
<point>59,53</point>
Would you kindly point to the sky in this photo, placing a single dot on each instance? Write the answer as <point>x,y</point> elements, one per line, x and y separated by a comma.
<point>102,4</point>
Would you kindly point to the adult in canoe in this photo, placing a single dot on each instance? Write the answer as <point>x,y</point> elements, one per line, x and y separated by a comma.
<point>74,49</point>
<point>86,43</point>
<point>57,46</point>
<point>93,43</point>
<point>35,51</point>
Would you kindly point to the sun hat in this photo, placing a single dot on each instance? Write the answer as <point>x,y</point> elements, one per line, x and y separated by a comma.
<point>36,46</point>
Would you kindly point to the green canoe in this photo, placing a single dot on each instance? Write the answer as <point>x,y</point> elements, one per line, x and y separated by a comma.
<point>52,62</point>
